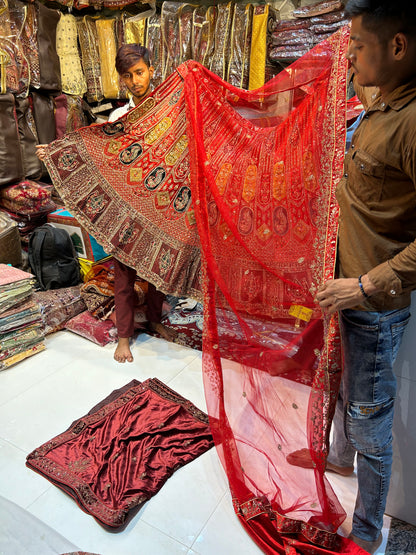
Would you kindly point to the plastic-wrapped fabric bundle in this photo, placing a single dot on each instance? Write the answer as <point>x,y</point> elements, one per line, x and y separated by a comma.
<point>239,62</point>
<point>176,26</point>
<point>107,47</point>
<point>135,30</point>
<point>14,67</point>
<point>28,198</point>
<point>153,43</point>
<point>90,57</point>
<point>23,17</point>
<point>223,29</point>
<point>242,183</point>
<point>203,37</point>
<point>264,19</point>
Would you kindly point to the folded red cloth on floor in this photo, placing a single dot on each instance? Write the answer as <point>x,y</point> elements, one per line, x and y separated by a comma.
<point>115,458</point>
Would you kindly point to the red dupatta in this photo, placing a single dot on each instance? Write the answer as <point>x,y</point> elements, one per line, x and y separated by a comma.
<point>243,181</point>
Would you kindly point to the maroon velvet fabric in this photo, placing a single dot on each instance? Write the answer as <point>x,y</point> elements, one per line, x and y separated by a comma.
<point>120,454</point>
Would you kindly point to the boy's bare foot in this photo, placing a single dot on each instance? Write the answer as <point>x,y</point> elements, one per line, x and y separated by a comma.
<point>122,352</point>
<point>167,333</point>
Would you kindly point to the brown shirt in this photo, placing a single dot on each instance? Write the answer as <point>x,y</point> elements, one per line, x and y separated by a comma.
<point>377,199</point>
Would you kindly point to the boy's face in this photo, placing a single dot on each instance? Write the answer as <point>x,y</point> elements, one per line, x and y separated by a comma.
<point>137,79</point>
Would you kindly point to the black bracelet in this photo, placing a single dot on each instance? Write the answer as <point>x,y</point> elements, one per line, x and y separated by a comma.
<point>360,283</point>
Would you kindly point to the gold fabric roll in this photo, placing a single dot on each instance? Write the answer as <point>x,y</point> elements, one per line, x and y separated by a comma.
<point>258,47</point>
<point>107,47</point>
<point>135,31</point>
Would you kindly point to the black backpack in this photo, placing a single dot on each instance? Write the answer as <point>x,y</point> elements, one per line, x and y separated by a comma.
<point>52,258</point>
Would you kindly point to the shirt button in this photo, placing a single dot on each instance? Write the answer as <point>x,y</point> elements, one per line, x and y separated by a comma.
<point>345,175</point>
<point>383,104</point>
<point>352,146</point>
<point>392,292</point>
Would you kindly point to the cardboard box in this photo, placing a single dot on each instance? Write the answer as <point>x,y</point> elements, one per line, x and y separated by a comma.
<point>85,245</point>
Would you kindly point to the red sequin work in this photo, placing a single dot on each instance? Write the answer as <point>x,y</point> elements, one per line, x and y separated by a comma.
<point>228,195</point>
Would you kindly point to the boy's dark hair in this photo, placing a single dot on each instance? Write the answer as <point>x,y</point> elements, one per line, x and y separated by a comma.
<point>130,54</point>
<point>385,18</point>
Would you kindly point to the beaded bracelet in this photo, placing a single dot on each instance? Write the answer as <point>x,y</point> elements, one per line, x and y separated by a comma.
<point>360,283</point>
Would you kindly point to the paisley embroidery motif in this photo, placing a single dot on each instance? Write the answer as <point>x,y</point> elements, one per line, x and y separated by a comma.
<point>130,154</point>
<point>279,181</point>
<point>223,177</point>
<point>245,221</point>
<point>95,203</point>
<point>155,179</point>
<point>249,187</point>
<point>68,159</point>
<point>182,199</point>
<point>127,233</point>
<point>114,128</point>
<point>280,221</point>
<point>137,113</point>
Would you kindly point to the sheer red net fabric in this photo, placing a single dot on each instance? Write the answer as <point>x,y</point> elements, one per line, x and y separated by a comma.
<point>206,188</point>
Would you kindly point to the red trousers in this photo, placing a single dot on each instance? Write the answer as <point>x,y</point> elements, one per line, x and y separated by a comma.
<point>125,300</point>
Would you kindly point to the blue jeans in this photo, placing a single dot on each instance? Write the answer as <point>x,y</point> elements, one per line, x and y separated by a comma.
<point>363,418</point>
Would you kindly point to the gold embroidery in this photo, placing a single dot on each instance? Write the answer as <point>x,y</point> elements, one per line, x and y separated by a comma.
<point>135,174</point>
<point>249,187</point>
<point>4,60</point>
<point>158,130</point>
<point>114,146</point>
<point>222,177</point>
<point>178,149</point>
<point>137,113</point>
<point>279,181</point>
<point>301,229</point>
<point>264,232</point>
<point>309,174</point>
<point>162,199</point>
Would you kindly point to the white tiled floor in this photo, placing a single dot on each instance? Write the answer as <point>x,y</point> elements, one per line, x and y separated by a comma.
<point>43,395</point>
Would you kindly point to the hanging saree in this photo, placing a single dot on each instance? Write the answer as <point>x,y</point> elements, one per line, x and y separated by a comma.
<point>203,34</point>
<point>221,53</point>
<point>153,43</point>
<point>239,62</point>
<point>225,194</point>
<point>90,57</point>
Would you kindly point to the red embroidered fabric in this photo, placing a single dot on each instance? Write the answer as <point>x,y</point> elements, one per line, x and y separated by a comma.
<point>243,181</point>
<point>116,457</point>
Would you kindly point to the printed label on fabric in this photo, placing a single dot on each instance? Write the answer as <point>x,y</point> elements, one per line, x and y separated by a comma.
<point>300,312</point>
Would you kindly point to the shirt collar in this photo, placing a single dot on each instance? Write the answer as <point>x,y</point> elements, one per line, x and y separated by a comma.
<point>397,99</point>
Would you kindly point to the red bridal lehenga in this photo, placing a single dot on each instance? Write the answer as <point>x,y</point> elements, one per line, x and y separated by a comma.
<point>227,195</point>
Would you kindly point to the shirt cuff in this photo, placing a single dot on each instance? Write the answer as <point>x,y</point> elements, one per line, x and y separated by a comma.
<point>385,279</point>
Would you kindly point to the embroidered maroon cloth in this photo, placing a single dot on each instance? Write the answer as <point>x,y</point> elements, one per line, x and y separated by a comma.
<point>115,458</point>
<point>207,189</point>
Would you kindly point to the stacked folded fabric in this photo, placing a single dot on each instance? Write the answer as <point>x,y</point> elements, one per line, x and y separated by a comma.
<point>21,330</point>
<point>312,24</point>
<point>58,306</point>
<point>28,203</point>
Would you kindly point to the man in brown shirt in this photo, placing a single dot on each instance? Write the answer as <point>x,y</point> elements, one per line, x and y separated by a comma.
<point>376,252</point>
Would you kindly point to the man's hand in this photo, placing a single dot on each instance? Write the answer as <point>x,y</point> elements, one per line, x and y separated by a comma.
<point>337,294</point>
